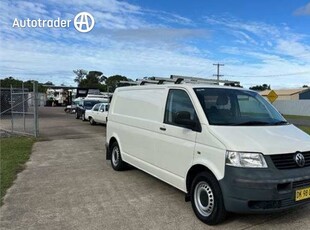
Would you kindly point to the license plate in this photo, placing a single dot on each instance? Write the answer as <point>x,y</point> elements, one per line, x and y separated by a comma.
<point>302,194</point>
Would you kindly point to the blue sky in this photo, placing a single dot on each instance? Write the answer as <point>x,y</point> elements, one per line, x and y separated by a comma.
<point>258,41</point>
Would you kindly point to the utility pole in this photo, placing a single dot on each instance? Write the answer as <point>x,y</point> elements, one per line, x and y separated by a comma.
<point>218,75</point>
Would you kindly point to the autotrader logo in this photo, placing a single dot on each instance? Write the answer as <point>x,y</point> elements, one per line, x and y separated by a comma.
<point>84,22</point>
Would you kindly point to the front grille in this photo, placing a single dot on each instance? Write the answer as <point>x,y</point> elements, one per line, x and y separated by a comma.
<point>302,183</point>
<point>290,202</point>
<point>286,161</point>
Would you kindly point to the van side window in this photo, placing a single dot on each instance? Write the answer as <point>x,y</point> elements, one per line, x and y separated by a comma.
<point>178,101</point>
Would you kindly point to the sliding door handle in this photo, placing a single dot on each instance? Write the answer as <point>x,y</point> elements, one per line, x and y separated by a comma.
<point>162,128</point>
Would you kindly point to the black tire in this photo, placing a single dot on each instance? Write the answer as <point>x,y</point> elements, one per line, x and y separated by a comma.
<point>207,199</point>
<point>116,159</point>
<point>83,117</point>
<point>77,116</point>
<point>92,121</point>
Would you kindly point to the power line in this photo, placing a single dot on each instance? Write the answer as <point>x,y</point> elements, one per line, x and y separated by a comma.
<point>218,75</point>
<point>202,71</point>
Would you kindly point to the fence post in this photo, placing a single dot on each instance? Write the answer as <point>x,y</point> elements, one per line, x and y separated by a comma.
<point>12,114</point>
<point>23,99</point>
<point>35,110</point>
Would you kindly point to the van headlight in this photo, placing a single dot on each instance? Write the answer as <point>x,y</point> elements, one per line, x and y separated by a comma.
<point>245,160</point>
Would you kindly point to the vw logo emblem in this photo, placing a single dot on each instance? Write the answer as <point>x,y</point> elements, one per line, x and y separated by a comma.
<point>300,159</point>
<point>84,22</point>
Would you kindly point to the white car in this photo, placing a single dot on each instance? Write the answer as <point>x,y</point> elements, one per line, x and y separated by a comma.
<point>98,114</point>
<point>227,149</point>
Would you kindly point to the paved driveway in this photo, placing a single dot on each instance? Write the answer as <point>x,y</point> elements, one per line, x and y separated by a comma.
<point>68,184</point>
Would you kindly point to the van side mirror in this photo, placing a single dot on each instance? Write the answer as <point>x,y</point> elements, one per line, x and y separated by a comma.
<point>184,118</point>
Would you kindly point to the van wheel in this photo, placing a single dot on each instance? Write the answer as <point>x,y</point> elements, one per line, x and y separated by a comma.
<point>207,199</point>
<point>116,159</point>
<point>92,121</point>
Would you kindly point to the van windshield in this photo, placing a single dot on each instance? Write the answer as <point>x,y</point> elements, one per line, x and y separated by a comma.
<point>234,107</point>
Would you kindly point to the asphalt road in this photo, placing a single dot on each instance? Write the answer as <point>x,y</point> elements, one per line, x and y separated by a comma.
<point>68,184</point>
<point>55,124</point>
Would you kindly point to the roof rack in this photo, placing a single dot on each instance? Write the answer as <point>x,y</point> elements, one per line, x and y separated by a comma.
<point>176,79</point>
<point>200,80</point>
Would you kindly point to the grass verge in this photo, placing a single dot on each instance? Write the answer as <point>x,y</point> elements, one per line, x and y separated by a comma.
<point>305,128</point>
<point>297,117</point>
<point>14,152</point>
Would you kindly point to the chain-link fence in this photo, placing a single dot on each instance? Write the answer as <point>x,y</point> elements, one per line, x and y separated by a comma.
<point>19,110</point>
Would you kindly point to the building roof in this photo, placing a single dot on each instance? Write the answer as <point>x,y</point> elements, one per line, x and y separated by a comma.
<point>285,92</point>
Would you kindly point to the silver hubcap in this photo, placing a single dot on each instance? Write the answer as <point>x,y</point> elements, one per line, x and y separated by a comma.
<point>204,198</point>
<point>115,156</point>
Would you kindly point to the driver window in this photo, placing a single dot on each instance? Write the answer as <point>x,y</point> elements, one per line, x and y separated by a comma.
<point>178,101</point>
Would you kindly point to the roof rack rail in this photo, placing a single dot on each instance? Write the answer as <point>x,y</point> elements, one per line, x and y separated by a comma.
<point>176,79</point>
<point>188,79</point>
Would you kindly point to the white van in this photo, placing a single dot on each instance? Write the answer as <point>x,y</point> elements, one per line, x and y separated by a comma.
<point>226,148</point>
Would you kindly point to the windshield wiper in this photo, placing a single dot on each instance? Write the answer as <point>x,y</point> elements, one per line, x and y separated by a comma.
<point>250,123</point>
<point>280,123</point>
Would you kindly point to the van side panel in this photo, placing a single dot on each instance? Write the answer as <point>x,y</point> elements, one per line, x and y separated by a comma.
<point>144,103</point>
<point>135,116</point>
<point>168,177</point>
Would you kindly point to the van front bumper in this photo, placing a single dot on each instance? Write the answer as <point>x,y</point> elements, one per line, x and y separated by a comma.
<point>248,190</point>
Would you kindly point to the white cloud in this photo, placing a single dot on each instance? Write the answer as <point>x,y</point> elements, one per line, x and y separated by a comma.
<point>134,61</point>
<point>244,37</point>
<point>278,41</point>
<point>255,28</point>
<point>138,42</point>
<point>304,10</point>
<point>155,35</point>
<point>294,49</point>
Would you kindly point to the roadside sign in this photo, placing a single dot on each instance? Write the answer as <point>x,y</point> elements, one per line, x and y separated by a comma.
<point>272,96</point>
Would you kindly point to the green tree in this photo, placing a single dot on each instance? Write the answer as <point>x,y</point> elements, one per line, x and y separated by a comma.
<point>10,81</point>
<point>94,79</point>
<point>112,82</point>
<point>15,83</point>
<point>260,87</point>
<point>29,84</point>
<point>80,74</point>
<point>49,83</point>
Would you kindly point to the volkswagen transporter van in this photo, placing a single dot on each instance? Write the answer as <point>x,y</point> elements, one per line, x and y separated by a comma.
<point>227,149</point>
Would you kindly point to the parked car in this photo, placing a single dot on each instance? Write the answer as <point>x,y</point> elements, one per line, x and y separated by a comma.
<point>98,114</point>
<point>71,108</point>
<point>227,149</point>
<point>86,104</point>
